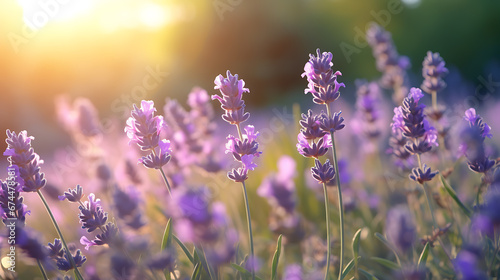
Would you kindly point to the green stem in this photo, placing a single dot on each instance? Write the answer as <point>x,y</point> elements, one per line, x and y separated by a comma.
<point>249,220</point>
<point>42,270</point>
<point>166,182</point>
<point>328,242</point>
<point>341,207</point>
<point>164,177</point>
<point>70,257</point>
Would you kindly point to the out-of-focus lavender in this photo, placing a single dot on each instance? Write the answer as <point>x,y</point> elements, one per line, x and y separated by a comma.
<point>400,228</point>
<point>389,62</point>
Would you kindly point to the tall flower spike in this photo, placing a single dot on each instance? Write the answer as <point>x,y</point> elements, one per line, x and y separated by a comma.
<point>322,80</point>
<point>20,153</point>
<point>433,71</point>
<point>231,89</point>
<point>244,148</point>
<point>144,128</point>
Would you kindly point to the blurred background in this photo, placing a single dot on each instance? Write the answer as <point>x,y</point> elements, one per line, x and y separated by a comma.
<point>118,52</point>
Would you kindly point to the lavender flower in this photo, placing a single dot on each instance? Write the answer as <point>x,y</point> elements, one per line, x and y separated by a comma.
<point>400,228</point>
<point>161,261</point>
<point>472,145</point>
<point>127,207</point>
<point>21,154</point>
<point>144,128</point>
<point>388,61</point>
<point>410,120</point>
<point>56,249</point>
<point>280,188</point>
<point>368,109</point>
<point>466,264</point>
<point>323,173</point>
<point>433,71</point>
<point>91,214</point>
<point>27,240</point>
<point>322,80</point>
<point>245,148</point>
<point>231,89</point>
<point>74,195</point>
<point>11,203</point>
<point>200,222</point>
<point>422,175</point>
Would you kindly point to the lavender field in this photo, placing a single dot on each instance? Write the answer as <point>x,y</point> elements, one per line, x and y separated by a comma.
<point>142,143</point>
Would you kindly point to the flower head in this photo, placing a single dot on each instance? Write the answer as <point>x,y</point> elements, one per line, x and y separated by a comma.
<point>433,71</point>
<point>21,154</point>
<point>400,228</point>
<point>422,176</point>
<point>323,173</point>
<point>231,89</point>
<point>322,80</point>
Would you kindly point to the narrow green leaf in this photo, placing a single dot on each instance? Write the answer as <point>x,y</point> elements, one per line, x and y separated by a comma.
<point>387,263</point>
<point>167,236</point>
<point>196,272</point>
<point>203,260</point>
<point>383,240</point>
<point>184,248</point>
<point>276,258</point>
<point>355,246</point>
<point>367,274</point>
<point>454,196</point>
<point>423,256</point>
<point>347,269</point>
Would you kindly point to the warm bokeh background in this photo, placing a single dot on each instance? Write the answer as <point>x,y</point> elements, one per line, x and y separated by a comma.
<point>105,49</point>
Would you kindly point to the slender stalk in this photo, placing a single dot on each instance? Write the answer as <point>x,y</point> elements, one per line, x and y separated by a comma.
<point>166,182</point>
<point>328,248</point>
<point>164,177</point>
<point>249,220</point>
<point>341,208</point>
<point>42,270</point>
<point>77,272</point>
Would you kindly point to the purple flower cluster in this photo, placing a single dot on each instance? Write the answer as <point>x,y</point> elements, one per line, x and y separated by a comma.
<point>433,71</point>
<point>388,61</point>
<point>400,228</point>
<point>198,221</point>
<point>11,203</point>
<point>279,189</point>
<point>144,128</point>
<point>61,257</point>
<point>245,147</point>
<point>127,206</point>
<point>467,264</point>
<point>21,154</point>
<point>314,138</point>
<point>368,109</point>
<point>472,146</point>
<point>322,80</point>
<point>410,121</point>
<point>92,217</point>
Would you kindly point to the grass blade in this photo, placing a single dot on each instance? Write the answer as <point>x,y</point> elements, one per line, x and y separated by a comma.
<point>423,256</point>
<point>276,258</point>
<point>387,263</point>
<point>184,248</point>
<point>367,274</point>
<point>355,247</point>
<point>167,236</point>
<point>454,196</point>
<point>196,272</point>
<point>347,269</point>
